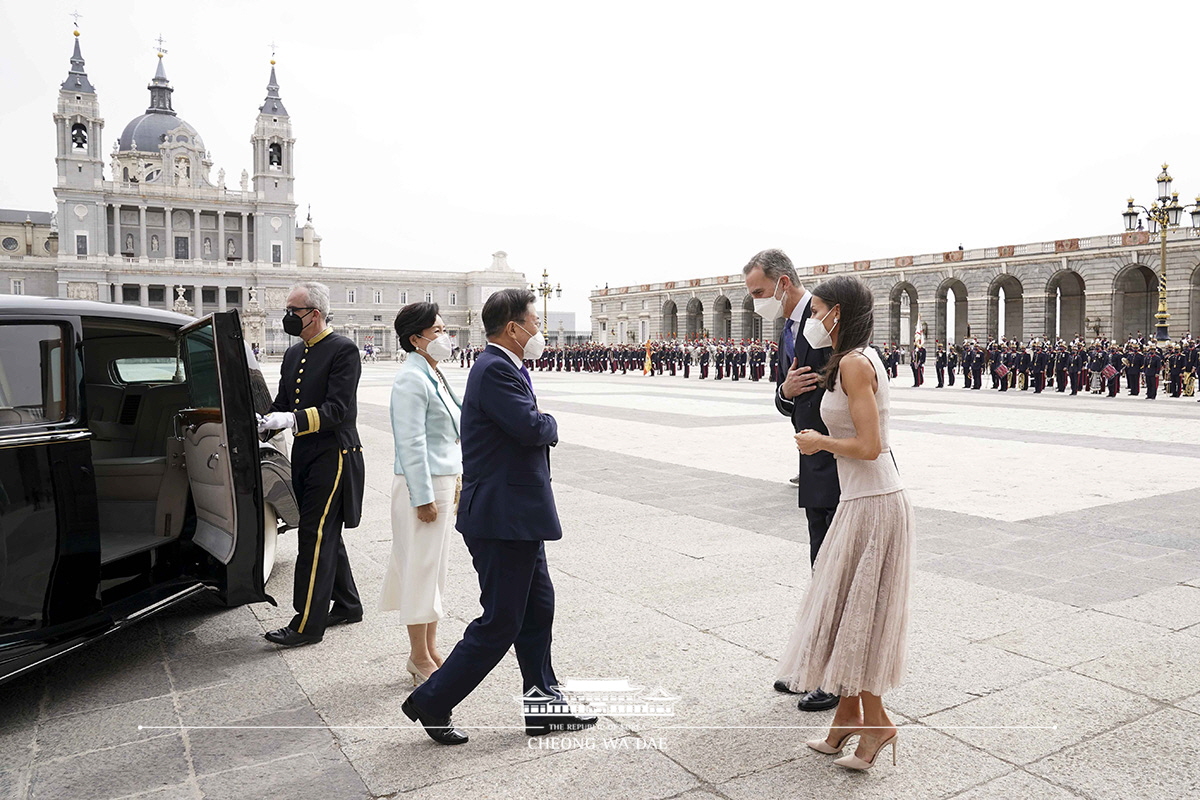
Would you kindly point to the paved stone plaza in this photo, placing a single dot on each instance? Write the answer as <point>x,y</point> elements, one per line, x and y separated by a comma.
<point>1054,638</point>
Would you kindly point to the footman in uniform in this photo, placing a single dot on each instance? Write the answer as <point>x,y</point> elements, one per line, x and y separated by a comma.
<point>318,389</point>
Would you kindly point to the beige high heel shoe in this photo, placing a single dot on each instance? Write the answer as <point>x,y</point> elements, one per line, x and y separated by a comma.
<point>823,746</point>
<point>854,762</point>
<point>417,676</point>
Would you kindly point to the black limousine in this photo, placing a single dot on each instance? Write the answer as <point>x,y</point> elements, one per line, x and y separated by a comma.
<point>131,472</point>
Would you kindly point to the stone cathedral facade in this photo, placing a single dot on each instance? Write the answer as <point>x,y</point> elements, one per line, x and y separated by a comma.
<point>160,229</point>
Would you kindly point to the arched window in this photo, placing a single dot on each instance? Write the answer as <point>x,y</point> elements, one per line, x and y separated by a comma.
<point>275,155</point>
<point>79,136</point>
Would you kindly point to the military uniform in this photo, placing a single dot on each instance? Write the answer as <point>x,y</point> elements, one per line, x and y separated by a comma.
<point>319,384</point>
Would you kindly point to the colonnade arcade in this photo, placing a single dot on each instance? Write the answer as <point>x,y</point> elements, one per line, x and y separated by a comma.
<point>1062,299</point>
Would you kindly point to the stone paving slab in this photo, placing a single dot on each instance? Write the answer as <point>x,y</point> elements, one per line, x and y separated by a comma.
<point>1052,642</point>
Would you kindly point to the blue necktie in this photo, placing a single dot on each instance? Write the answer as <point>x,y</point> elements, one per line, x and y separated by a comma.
<point>789,344</point>
<point>525,375</point>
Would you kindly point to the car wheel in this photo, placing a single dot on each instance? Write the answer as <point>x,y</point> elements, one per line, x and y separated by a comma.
<point>270,537</point>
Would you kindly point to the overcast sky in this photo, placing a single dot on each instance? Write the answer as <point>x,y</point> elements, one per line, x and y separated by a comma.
<point>629,142</point>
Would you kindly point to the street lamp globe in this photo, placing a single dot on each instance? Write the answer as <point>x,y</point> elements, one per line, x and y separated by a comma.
<point>1174,210</point>
<point>1164,185</point>
<point>1130,214</point>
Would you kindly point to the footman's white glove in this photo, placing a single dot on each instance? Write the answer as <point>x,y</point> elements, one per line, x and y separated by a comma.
<point>276,420</point>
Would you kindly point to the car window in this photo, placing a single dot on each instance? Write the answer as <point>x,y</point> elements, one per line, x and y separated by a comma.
<point>204,381</point>
<point>158,369</point>
<point>31,374</point>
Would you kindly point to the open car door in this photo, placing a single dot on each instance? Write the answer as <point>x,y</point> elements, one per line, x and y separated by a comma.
<point>219,440</point>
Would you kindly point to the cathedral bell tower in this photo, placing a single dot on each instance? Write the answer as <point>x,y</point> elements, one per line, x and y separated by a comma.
<point>79,155</point>
<point>274,178</point>
<point>80,152</point>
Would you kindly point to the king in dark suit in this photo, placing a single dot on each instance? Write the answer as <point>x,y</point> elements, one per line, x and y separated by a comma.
<point>772,282</point>
<point>506,513</point>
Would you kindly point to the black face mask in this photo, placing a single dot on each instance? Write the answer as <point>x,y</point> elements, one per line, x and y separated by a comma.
<point>293,323</point>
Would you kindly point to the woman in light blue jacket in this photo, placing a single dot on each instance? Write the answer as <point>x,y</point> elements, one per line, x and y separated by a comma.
<point>425,420</point>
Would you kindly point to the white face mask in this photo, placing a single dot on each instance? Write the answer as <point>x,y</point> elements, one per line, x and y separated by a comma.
<point>439,347</point>
<point>769,307</point>
<point>815,333</point>
<point>535,346</point>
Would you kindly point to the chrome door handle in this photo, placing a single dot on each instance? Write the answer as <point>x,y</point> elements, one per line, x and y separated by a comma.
<point>213,457</point>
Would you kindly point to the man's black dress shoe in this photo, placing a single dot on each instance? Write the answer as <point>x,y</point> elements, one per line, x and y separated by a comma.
<point>290,638</point>
<point>440,730</point>
<point>556,723</point>
<point>781,686</point>
<point>817,700</point>
<point>338,618</point>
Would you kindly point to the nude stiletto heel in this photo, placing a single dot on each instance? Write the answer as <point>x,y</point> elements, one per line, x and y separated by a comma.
<point>823,746</point>
<point>417,677</point>
<point>856,763</point>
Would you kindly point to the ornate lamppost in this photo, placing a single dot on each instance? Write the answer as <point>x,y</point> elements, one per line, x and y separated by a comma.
<point>1162,215</point>
<point>545,290</point>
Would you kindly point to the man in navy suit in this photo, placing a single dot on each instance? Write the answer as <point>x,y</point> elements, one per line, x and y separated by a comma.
<point>772,282</point>
<point>506,513</point>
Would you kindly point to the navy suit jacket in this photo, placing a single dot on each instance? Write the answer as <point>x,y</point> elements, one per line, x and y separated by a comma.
<point>506,445</point>
<point>819,486</point>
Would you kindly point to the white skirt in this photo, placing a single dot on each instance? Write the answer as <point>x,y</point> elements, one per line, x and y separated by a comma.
<point>416,573</point>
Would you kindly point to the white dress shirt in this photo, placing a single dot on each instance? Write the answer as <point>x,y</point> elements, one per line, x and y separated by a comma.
<point>511,355</point>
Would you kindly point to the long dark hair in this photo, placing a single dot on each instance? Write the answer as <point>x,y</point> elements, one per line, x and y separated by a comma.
<point>856,318</point>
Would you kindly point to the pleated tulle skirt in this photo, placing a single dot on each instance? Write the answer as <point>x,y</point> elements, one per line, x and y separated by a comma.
<point>851,631</point>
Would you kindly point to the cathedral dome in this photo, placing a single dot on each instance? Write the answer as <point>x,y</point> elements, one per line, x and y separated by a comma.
<point>147,132</point>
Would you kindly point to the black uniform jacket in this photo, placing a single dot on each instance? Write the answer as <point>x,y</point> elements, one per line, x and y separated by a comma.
<point>319,384</point>
<point>819,487</point>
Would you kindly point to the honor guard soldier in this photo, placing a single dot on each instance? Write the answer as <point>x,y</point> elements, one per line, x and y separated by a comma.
<point>1041,362</point>
<point>317,398</point>
<point>939,365</point>
<point>1151,370</point>
<point>1076,364</point>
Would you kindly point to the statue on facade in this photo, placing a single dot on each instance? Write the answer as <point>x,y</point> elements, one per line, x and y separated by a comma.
<point>207,246</point>
<point>154,242</point>
<point>245,181</point>
<point>221,178</point>
<point>129,243</point>
<point>230,248</point>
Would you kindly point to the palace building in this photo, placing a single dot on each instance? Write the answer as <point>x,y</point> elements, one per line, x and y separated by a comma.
<point>1103,286</point>
<point>159,229</point>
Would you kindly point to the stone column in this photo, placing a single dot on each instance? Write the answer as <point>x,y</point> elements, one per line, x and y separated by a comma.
<point>169,232</point>
<point>220,251</point>
<point>197,252</point>
<point>198,299</point>
<point>101,248</point>
<point>977,317</point>
<point>245,238</point>
<point>144,294</point>
<point>142,252</point>
<point>221,302</point>
<point>116,229</point>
